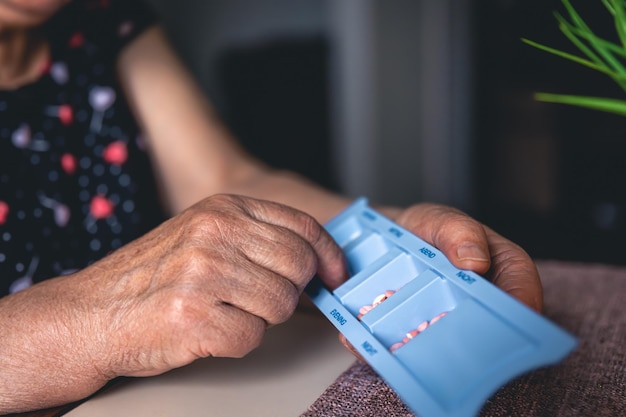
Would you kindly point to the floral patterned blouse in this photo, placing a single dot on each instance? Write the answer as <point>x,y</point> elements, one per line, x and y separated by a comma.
<point>75,182</point>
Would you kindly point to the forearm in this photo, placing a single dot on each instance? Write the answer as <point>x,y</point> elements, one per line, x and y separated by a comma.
<point>291,189</point>
<point>46,356</point>
<point>194,153</point>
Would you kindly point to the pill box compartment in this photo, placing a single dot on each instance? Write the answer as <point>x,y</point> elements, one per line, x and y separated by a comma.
<point>380,267</point>
<point>388,273</point>
<point>412,309</point>
<point>440,365</point>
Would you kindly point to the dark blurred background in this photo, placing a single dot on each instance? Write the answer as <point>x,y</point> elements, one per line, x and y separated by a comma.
<point>412,100</point>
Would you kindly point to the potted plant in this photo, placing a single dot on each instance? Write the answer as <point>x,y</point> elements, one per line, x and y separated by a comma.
<point>605,56</point>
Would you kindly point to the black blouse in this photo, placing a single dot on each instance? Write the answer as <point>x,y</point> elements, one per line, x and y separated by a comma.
<point>75,181</point>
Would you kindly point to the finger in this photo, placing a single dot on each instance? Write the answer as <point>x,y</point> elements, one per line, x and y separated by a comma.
<point>470,245</point>
<point>281,251</point>
<point>462,239</point>
<point>231,333</point>
<point>224,273</point>
<point>258,291</point>
<point>514,271</point>
<point>350,347</point>
<point>331,264</point>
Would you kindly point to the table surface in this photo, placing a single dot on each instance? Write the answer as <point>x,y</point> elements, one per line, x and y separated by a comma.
<point>293,366</point>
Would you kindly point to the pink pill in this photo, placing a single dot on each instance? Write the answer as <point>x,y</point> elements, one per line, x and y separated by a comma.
<point>382,297</point>
<point>410,335</point>
<point>396,346</point>
<point>423,325</point>
<point>437,317</point>
<point>364,310</point>
<point>379,299</point>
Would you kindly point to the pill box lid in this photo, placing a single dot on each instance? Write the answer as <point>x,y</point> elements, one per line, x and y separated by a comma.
<point>453,367</point>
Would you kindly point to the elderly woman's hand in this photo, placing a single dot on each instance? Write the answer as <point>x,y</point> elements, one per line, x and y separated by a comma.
<point>473,246</point>
<point>208,282</point>
<point>470,245</point>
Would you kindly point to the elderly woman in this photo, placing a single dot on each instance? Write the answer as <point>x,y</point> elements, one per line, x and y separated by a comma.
<point>136,235</point>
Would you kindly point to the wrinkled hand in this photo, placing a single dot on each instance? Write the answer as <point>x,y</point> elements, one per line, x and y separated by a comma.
<point>209,282</point>
<point>473,246</point>
<point>470,245</point>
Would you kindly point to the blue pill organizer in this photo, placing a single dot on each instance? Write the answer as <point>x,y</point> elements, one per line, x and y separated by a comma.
<point>443,339</point>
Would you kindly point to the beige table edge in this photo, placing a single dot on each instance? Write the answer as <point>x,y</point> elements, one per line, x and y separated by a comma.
<point>293,366</point>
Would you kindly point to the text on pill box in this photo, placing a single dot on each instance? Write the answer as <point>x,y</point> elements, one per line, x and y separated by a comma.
<point>337,316</point>
<point>369,348</point>
<point>428,252</point>
<point>466,277</point>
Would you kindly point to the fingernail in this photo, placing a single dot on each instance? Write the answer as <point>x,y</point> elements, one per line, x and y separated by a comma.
<point>472,252</point>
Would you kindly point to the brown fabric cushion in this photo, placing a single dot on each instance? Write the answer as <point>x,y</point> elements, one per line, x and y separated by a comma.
<point>587,300</point>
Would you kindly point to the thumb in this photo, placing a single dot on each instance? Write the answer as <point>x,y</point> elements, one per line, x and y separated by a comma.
<point>461,238</point>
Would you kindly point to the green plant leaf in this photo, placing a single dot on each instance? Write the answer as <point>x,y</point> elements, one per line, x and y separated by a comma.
<point>598,54</point>
<point>569,32</point>
<point>609,6</point>
<point>620,21</point>
<point>603,47</point>
<point>596,103</point>
<point>578,21</point>
<point>598,42</point>
<point>577,59</point>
